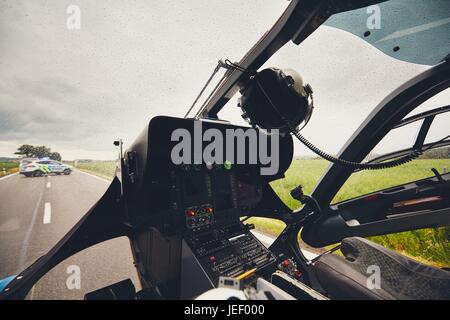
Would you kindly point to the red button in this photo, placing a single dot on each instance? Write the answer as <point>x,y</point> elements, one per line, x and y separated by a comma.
<point>190,213</point>
<point>212,258</point>
<point>285,263</point>
<point>209,209</point>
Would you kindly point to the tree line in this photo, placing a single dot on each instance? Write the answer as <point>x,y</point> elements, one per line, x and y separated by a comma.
<point>30,151</point>
<point>439,153</point>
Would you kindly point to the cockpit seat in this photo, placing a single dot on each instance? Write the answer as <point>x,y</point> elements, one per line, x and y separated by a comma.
<point>354,276</point>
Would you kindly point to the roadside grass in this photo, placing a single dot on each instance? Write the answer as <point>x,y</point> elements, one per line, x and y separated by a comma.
<point>8,167</point>
<point>430,246</point>
<point>103,169</point>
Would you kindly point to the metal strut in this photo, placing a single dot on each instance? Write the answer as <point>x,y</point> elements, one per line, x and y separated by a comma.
<point>220,64</point>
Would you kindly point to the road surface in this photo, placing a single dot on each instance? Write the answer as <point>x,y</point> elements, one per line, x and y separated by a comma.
<point>35,213</point>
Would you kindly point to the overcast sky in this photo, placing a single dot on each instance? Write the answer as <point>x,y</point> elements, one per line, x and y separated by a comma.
<point>77,90</point>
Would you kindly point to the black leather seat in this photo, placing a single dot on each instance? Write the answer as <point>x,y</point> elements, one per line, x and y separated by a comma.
<point>400,277</point>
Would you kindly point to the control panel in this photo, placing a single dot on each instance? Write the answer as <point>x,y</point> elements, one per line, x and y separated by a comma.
<point>210,200</point>
<point>193,209</point>
<point>231,251</point>
<point>199,216</point>
<point>205,196</point>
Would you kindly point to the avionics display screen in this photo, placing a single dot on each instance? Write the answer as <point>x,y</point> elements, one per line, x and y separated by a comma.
<point>194,185</point>
<point>195,188</point>
<point>199,188</point>
<point>246,191</point>
<point>221,187</point>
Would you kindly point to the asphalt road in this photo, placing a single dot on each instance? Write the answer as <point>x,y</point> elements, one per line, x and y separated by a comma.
<point>35,213</point>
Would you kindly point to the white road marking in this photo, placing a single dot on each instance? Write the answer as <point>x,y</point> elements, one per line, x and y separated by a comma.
<point>9,176</point>
<point>49,184</point>
<point>94,176</point>
<point>47,213</point>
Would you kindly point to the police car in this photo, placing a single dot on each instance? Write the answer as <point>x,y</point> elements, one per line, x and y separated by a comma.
<point>39,167</point>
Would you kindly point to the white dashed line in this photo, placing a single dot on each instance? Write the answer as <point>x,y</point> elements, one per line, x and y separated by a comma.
<point>49,184</point>
<point>47,213</point>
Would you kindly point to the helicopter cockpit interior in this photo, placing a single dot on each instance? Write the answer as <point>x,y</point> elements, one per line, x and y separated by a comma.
<point>185,188</point>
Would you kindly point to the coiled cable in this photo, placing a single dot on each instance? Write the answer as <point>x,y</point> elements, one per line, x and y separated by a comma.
<point>354,165</point>
<point>414,154</point>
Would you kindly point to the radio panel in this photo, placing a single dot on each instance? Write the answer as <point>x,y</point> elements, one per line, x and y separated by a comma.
<point>231,251</point>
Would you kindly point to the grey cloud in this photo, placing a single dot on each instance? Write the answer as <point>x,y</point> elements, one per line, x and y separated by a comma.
<point>44,111</point>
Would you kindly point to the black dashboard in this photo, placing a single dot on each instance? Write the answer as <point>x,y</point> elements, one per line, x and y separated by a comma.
<point>194,209</point>
<point>191,197</point>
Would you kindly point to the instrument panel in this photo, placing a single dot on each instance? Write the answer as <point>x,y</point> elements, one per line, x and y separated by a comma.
<point>196,195</point>
<point>212,195</point>
<point>193,209</point>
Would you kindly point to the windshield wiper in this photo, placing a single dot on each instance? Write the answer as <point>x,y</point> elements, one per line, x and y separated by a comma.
<point>426,147</point>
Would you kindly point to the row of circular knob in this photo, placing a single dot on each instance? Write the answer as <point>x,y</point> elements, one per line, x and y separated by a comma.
<point>194,211</point>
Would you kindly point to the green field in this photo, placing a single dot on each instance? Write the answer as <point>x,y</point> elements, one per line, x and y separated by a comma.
<point>308,172</point>
<point>432,245</point>
<point>429,245</point>
<point>8,167</point>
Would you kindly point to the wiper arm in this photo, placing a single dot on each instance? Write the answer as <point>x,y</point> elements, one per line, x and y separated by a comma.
<point>220,64</point>
<point>438,144</point>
